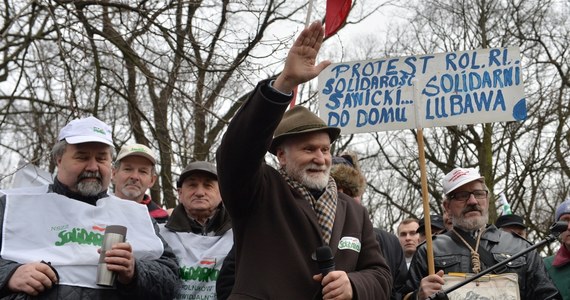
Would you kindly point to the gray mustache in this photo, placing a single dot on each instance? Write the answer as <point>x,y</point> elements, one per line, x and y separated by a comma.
<point>472,208</point>
<point>95,175</point>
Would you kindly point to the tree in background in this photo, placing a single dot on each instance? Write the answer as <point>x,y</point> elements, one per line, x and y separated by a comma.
<point>171,74</point>
<point>527,161</point>
<point>167,74</point>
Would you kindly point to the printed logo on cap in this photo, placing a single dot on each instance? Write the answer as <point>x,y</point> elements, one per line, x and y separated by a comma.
<point>99,130</point>
<point>138,149</point>
<point>458,174</point>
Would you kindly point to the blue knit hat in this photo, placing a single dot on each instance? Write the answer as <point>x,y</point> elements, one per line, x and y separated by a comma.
<point>563,208</point>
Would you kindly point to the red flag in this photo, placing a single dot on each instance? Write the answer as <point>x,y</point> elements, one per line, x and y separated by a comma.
<point>337,11</point>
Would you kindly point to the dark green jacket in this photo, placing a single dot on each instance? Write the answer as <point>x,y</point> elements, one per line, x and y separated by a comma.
<point>560,275</point>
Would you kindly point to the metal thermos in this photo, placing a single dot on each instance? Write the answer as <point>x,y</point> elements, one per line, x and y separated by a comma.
<point>113,234</point>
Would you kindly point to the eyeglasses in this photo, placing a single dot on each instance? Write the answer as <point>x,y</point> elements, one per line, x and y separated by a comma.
<point>464,196</point>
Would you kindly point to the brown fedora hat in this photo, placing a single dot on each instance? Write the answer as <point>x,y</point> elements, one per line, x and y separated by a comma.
<point>299,120</point>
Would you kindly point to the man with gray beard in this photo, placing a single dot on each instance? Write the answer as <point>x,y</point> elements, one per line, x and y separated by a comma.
<point>52,235</point>
<point>472,245</point>
<point>134,172</point>
<point>282,216</point>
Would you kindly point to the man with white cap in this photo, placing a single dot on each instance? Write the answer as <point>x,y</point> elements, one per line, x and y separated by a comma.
<point>558,265</point>
<point>472,246</point>
<point>291,224</point>
<point>134,172</point>
<point>50,249</point>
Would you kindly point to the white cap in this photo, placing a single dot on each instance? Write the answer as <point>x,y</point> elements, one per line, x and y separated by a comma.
<point>86,130</point>
<point>458,177</point>
<point>138,150</point>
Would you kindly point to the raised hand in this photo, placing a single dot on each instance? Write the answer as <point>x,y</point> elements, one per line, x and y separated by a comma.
<point>300,64</point>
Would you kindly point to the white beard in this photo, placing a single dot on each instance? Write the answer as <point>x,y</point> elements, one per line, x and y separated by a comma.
<point>471,224</point>
<point>317,181</point>
<point>130,194</point>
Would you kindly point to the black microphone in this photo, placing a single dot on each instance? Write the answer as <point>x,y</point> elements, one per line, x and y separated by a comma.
<point>558,227</point>
<point>325,259</point>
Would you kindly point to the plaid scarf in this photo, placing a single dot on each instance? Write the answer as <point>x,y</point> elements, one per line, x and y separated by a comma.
<point>324,207</point>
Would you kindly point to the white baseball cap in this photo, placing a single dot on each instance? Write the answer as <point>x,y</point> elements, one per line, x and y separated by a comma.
<point>86,130</point>
<point>458,177</point>
<point>137,150</point>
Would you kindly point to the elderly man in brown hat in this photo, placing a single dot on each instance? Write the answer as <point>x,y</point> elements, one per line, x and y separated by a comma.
<point>281,217</point>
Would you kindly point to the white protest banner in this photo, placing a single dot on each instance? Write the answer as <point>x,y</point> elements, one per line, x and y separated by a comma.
<point>478,86</point>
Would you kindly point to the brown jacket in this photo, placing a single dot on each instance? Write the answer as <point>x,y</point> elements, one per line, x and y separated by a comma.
<point>276,231</point>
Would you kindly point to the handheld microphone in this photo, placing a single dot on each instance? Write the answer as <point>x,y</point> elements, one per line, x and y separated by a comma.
<point>113,234</point>
<point>325,259</point>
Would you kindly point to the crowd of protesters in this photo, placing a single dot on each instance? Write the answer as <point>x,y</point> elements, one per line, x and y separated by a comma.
<point>246,230</point>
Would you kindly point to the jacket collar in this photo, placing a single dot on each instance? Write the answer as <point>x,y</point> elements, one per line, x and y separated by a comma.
<point>339,219</point>
<point>180,222</point>
<point>492,234</point>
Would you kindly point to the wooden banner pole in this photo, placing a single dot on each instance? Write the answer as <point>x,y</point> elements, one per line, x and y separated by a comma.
<point>423,174</point>
<point>425,200</point>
